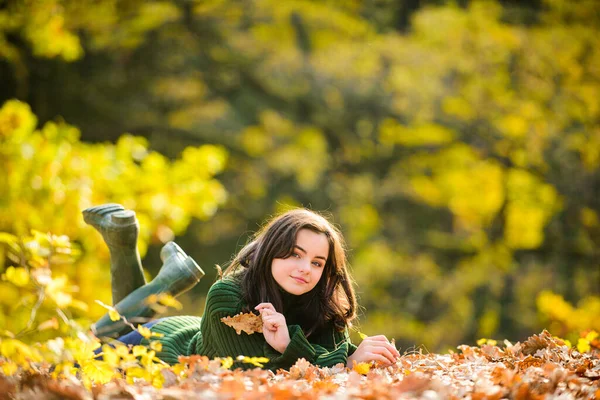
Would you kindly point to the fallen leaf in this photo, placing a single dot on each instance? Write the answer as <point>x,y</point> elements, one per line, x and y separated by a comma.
<point>246,322</point>
<point>362,368</point>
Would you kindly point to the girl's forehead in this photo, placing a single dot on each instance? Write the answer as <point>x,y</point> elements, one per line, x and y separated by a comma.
<point>311,241</point>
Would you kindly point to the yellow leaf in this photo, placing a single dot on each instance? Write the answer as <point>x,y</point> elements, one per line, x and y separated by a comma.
<point>583,345</point>
<point>481,341</point>
<point>17,276</point>
<point>591,336</point>
<point>139,350</point>
<point>256,361</point>
<point>145,332</point>
<point>179,369</point>
<point>8,238</point>
<point>362,368</point>
<point>18,351</point>
<point>122,351</point>
<point>156,345</point>
<point>152,299</point>
<point>158,380</point>
<point>9,368</point>
<point>167,300</point>
<point>136,372</point>
<point>146,359</point>
<point>226,362</point>
<point>84,351</point>
<point>114,315</point>
<point>110,355</point>
<point>98,371</point>
<point>362,335</point>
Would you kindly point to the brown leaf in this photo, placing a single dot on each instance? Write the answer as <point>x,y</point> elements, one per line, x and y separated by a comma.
<point>542,341</point>
<point>297,371</point>
<point>8,386</point>
<point>415,383</point>
<point>247,322</point>
<point>529,361</point>
<point>326,386</point>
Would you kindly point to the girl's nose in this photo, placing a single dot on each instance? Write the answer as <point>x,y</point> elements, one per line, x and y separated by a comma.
<point>304,266</point>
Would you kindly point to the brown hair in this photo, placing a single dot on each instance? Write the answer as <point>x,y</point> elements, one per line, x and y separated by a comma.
<point>332,299</point>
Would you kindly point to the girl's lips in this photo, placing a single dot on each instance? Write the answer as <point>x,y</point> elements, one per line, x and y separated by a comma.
<point>299,280</point>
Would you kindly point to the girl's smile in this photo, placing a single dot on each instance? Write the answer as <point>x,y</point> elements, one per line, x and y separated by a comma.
<point>299,280</point>
<point>301,271</point>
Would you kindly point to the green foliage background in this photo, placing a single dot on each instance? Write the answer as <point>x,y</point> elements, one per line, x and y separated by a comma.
<point>457,145</point>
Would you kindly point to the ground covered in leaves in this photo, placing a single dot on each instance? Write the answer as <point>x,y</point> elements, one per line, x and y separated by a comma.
<point>541,367</point>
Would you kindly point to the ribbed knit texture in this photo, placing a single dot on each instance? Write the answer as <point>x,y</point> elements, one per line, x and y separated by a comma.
<point>186,335</point>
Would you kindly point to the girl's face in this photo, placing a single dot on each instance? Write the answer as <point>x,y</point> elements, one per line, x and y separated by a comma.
<point>301,271</point>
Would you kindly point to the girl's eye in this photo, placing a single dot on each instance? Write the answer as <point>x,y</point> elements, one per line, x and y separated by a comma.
<point>317,264</point>
<point>296,255</point>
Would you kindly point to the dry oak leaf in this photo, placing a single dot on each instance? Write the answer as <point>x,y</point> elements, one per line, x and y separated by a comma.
<point>542,341</point>
<point>529,361</point>
<point>246,322</point>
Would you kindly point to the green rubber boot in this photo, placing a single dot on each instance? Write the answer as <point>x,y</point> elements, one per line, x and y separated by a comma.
<point>178,274</point>
<point>119,229</point>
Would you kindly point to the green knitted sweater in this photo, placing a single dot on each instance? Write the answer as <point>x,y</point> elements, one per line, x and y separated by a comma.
<point>207,335</point>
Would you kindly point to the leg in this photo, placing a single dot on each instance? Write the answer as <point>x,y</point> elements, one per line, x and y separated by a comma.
<point>178,274</point>
<point>119,229</point>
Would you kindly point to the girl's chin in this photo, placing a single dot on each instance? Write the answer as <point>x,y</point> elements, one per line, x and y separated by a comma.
<point>295,290</point>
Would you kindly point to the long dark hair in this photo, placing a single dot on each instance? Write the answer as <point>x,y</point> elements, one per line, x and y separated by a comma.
<point>331,300</point>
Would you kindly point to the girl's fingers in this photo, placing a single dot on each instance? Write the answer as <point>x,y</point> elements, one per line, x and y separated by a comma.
<point>385,352</point>
<point>388,347</point>
<point>382,341</point>
<point>377,357</point>
<point>265,306</point>
<point>272,322</point>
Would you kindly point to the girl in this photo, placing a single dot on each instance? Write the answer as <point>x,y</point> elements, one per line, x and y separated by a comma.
<point>294,273</point>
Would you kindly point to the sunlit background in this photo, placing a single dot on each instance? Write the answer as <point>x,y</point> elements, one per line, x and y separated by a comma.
<point>455,143</point>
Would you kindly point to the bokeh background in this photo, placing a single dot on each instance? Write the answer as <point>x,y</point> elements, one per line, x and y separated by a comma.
<point>455,143</point>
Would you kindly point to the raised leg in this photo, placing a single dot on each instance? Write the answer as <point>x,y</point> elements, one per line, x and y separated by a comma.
<point>119,229</point>
<point>178,274</point>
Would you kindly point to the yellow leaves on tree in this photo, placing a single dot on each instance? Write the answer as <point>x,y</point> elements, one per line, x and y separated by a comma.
<point>50,177</point>
<point>590,340</point>
<point>246,322</point>
<point>17,276</point>
<point>531,203</point>
<point>566,319</point>
<point>460,179</point>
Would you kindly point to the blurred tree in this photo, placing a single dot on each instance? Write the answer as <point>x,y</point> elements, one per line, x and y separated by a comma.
<point>458,145</point>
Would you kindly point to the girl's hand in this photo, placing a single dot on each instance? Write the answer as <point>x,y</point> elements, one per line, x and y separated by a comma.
<point>275,329</point>
<point>374,348</point>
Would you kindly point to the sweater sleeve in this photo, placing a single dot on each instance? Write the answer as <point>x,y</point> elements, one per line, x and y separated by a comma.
<point>323,355</point>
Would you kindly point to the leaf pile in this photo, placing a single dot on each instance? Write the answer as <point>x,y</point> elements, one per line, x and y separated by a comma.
<point>541,367</point>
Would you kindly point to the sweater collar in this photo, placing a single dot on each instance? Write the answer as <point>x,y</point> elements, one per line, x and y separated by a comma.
<point>290,301</point>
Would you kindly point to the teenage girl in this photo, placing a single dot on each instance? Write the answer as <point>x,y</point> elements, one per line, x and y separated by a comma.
<point>293,272</point>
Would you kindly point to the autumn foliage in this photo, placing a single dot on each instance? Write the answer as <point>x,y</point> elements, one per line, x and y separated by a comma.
<point>540,366</point>
<point>456,143</point>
